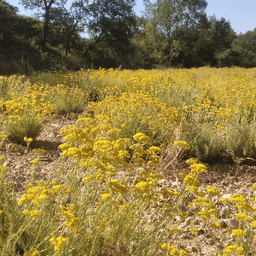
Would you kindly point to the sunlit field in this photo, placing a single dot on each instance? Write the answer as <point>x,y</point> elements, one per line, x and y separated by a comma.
<point>110,191</point>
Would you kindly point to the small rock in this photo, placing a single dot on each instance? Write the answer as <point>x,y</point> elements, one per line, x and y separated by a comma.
<point>230,223</point>
<point>194,249</point>
<point>228,196</point>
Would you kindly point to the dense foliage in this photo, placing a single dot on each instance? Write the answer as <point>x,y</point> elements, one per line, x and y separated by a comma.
<point>170,34</point>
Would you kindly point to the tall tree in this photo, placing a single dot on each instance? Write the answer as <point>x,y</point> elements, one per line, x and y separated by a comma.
<point>67,24</point>
<point>7,14</point>
<point>47,7</point>
<point>112,22</point>
<point>222,34</point>
<point>244,45</point>
<point>166,15</point>
<point>6,35</point>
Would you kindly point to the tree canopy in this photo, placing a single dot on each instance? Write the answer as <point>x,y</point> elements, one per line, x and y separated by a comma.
<point>171,33</point>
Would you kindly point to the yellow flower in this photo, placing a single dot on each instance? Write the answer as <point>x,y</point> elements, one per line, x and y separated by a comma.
<point>1,160</point>
<point>214,225</point>
<point>231,248</point>
<point>124,206</point>
<point>193,189</point>
<point>113,133</point>
<point>181,144</point>
<point>138,149</point>
<point>33,252</point>
<point>192,161</point>
<point>114,185</point>
<point>175,229</point>
<point>141,138</point>
<point>5,135</point>
<point>242,216</point>
<point>238,232</point>
<point>32,213</point>
<point>142,186</point>
<point>26,212</point>
<point>38,151</point>
<point>58,243</point>
<point>223,200</point>
<point>35,161</point>
<point>182,175</point>
<point>245,207</point>
<point>236,199</point>
<point>198,168</point>
<point>28,140</point>
<point>100,177</point>
<point>87,179</point>
<point>64,146</point>
<point>253,224</point>
<point>73,223</point>
<point>191,180</point>
<point>212,191</point>
<point>123,154</point>
<point>58,188</point>
<point>105,197</point>
<point>153,150</point>
<point>194,230</point>
<point>165,247</point>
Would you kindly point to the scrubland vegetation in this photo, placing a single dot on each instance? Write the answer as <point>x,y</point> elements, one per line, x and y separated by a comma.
<point>106,197</point>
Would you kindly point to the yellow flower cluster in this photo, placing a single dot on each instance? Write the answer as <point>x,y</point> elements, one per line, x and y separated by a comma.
<point>115,186</point>
<point>190,180</point>
<point>28,140</point>
<point>208,214</point>
<point>32,213</point>
<point>126,131</point>
<point>37,195</point>
<point>230,249</point>
<point>38,151</point>
<point>58,242</point>
<point>25,109</point>
<point>181,144</point>
<point>139,113</point>
<point>141,138</point>
<point>32,252</point>
<point>172,250</point>
<point>212,191</point>
<point>100,150</point>
<point>225,94</point>
<point>105,197</point>
<point>238,232</point>
<point>33,102</point>
<point>68,212</point>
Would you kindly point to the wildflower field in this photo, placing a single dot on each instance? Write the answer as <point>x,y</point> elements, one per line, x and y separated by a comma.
<point>145,162</point>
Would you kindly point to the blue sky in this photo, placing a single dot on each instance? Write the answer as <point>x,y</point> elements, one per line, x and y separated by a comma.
<point>240,13</point>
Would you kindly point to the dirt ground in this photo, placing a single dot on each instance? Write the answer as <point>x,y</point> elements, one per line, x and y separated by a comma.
<point>229,179</point>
